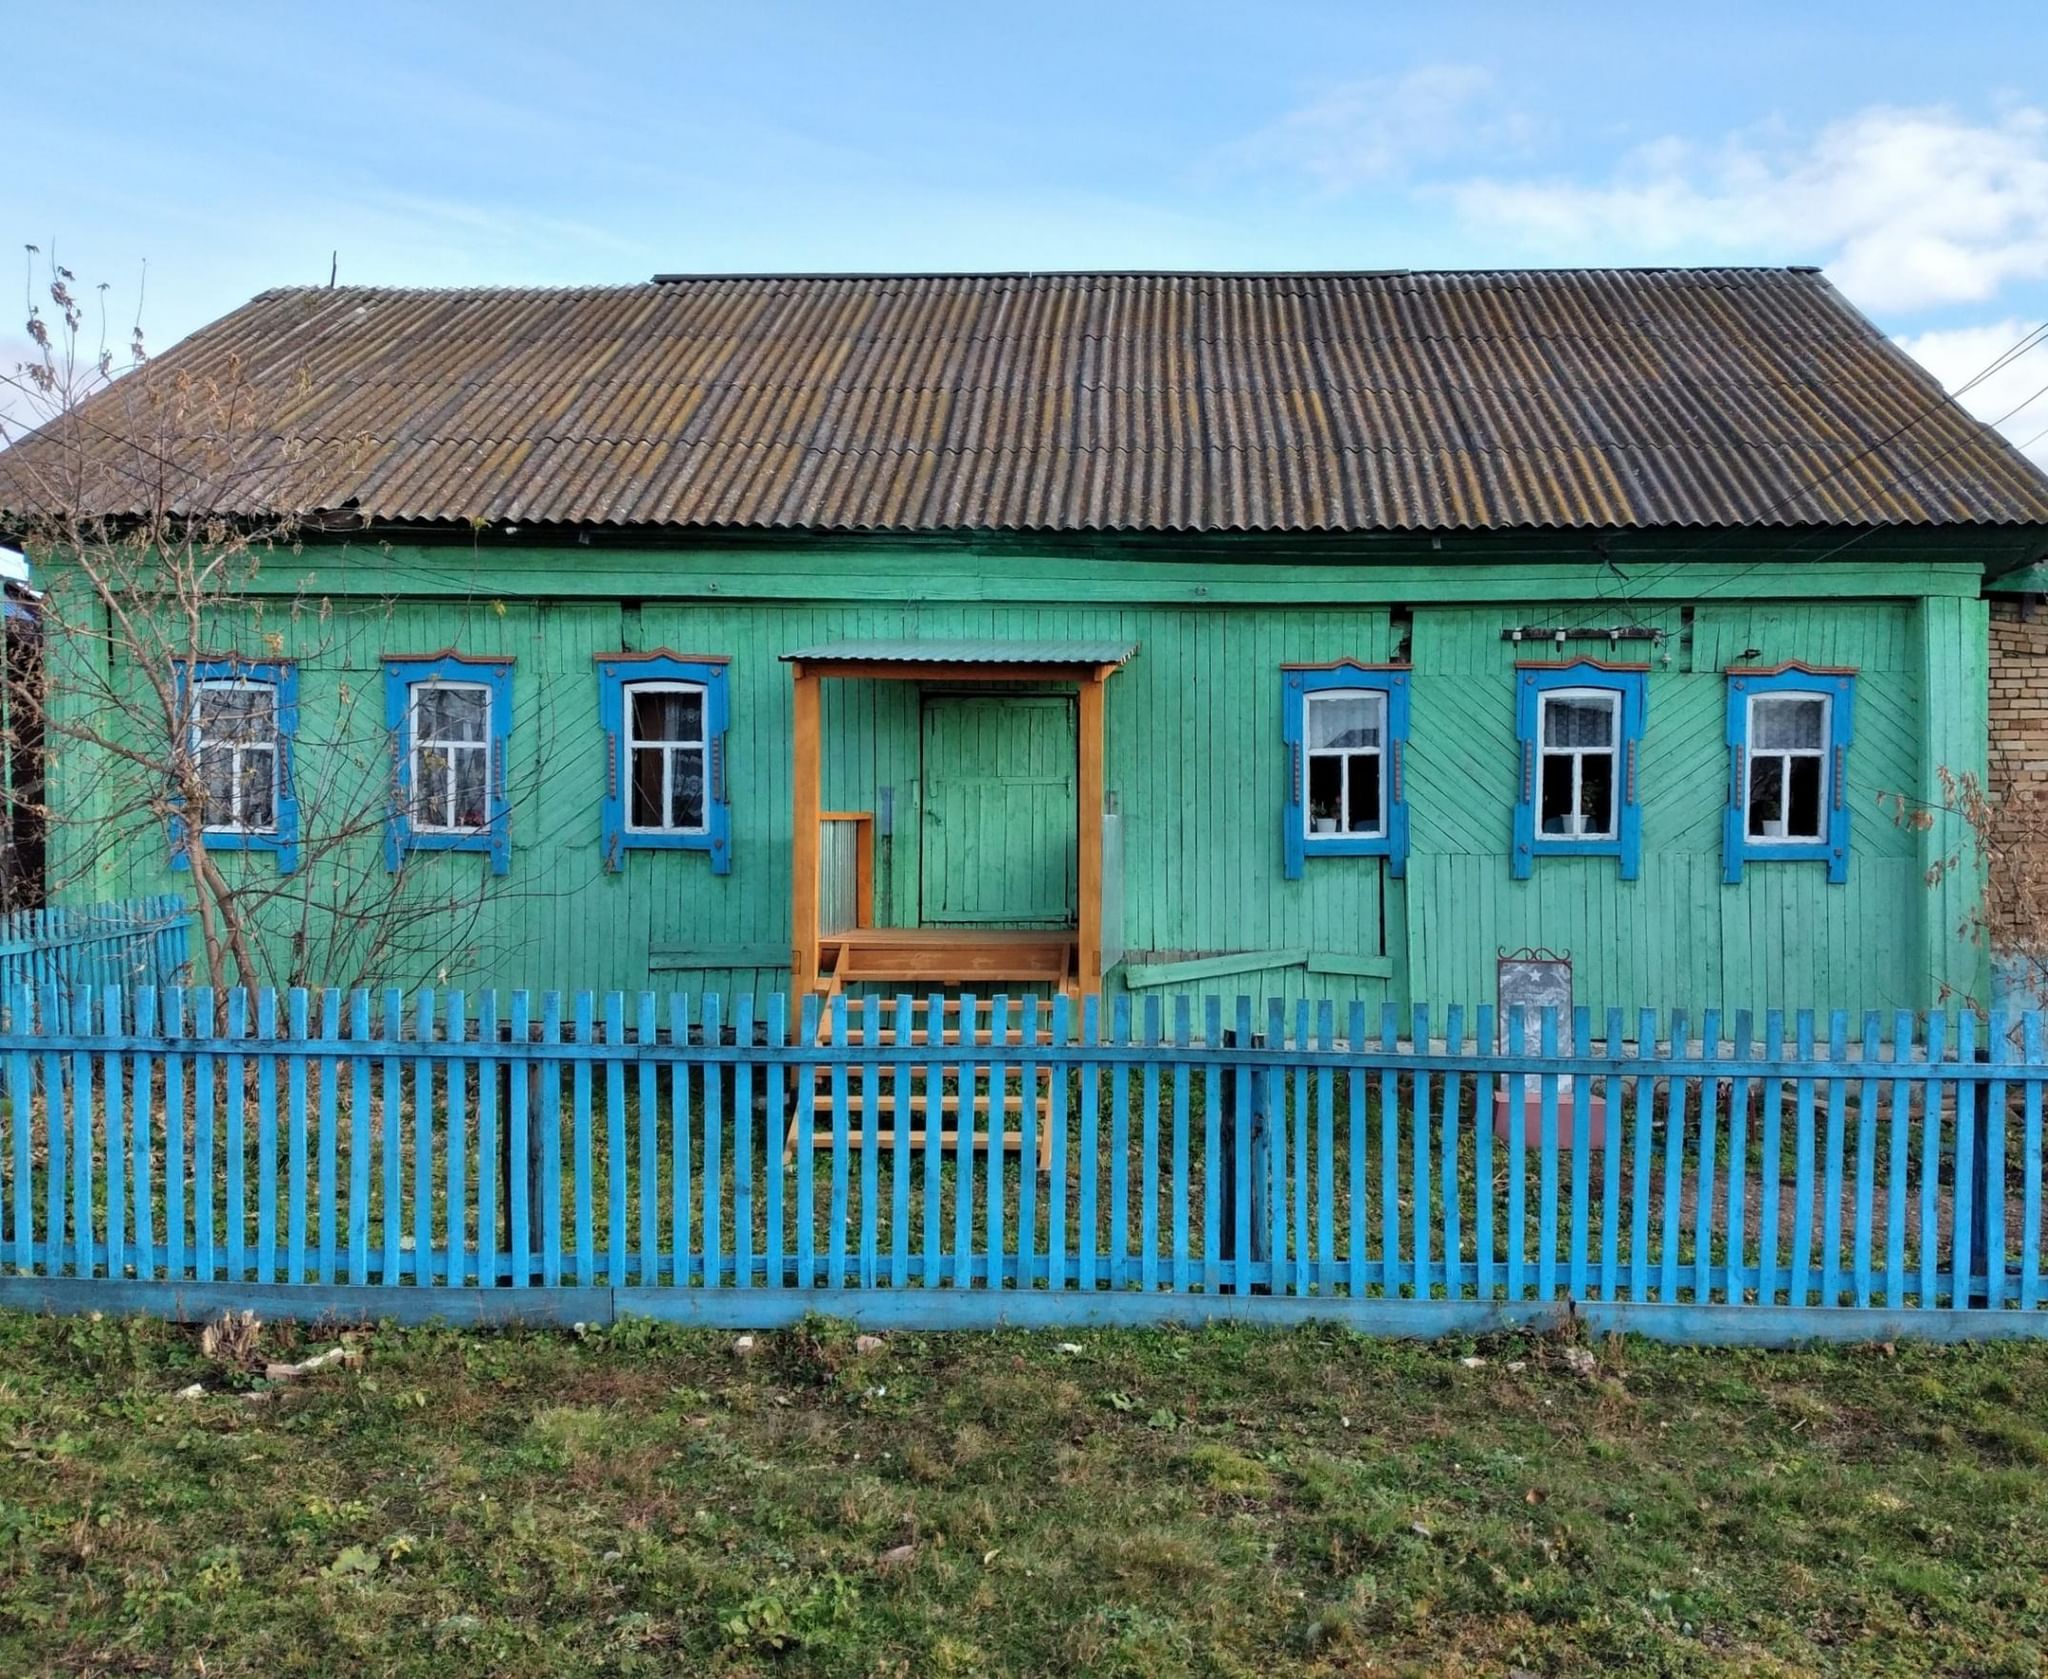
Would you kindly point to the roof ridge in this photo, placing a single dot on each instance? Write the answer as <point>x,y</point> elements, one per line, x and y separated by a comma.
<point>852,275</point>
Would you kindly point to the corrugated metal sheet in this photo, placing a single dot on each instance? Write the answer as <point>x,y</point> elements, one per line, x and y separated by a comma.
<point>1057,402</point>
<point>905,652</point>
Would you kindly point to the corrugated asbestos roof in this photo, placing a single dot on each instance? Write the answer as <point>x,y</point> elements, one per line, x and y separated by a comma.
<point>1056,402</point>
<point>905,652</point>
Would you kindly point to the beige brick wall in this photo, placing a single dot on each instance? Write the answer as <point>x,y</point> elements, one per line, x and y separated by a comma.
<point>2019,761</point>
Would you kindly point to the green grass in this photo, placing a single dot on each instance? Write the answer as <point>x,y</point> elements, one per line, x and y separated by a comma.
<point>1155,1503</point>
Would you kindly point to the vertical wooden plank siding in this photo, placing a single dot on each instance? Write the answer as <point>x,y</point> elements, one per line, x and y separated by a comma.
<point>1093,793</point>
<point>806,771</point>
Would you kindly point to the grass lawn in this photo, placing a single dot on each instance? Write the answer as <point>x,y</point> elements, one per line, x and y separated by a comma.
<point>1152,1503</point>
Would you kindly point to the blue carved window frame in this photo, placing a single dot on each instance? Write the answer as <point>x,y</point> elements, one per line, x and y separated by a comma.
<point>1532,682</point>
<point>402,674</point>
<point>616,672</point>
<point>282,838</point>
<point>1837,686</point>
<point>1298,682</point>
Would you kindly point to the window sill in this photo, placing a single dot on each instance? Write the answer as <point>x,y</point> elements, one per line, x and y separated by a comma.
<point>492,842</point>
<point>1389,846</point>
<point>1562,847</point>
<point>284,848</point>
<point>1812,852</point>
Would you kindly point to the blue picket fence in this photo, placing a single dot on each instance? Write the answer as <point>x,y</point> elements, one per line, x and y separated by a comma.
<point>130,943</point>
<point>507,1157</point>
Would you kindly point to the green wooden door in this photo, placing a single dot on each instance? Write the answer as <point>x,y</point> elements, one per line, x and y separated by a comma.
<point>999,811</point>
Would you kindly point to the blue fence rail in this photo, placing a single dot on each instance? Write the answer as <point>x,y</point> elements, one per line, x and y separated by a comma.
<point>131,943</point>
<point>374,1155</point>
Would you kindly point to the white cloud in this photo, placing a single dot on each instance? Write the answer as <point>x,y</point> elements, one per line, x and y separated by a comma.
<point>2012,397</point>
<point>1367,130</point>
<point>1906,208</point>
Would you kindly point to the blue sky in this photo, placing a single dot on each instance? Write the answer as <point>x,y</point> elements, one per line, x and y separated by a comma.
<point>233,147</point>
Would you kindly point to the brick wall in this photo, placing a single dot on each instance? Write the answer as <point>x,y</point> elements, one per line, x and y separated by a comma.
<point>2019,761</point>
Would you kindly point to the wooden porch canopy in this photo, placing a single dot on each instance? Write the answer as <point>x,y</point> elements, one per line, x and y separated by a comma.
<point>1086,664</point>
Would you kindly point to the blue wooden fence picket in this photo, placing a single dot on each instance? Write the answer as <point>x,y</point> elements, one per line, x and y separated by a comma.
<point>132,943</point>
<point>463,1156</point>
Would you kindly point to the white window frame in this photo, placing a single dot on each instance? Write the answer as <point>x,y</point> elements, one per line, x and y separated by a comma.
<point>1344,753</point>
<point>632,743</point>
<point>1824,752</point>
<point>199,741</point>
<point>415,745</point>
<point>1612,698</point>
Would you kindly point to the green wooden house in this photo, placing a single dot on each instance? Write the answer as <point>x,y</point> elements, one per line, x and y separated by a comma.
<point>1304,635</point>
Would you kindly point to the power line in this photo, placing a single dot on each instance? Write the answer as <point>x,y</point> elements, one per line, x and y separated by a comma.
<point>1951,449</point>
<point>2027,342</point>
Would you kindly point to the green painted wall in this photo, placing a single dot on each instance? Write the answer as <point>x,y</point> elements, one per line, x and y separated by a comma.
<point>1784,937</point>
<point>1195,762</point>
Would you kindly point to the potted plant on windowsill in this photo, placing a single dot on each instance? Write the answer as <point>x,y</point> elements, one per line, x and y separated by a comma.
<point>1322,817</point>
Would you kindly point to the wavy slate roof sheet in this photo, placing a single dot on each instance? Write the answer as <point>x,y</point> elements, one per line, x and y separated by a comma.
<point>909,651</point>
<point>1061,402</point>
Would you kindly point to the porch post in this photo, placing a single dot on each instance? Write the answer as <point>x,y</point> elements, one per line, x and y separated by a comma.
<point>1089,919</point>
<point>805,778</point>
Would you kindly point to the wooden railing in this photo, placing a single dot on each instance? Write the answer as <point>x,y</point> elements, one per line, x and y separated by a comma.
<point>846,870</point>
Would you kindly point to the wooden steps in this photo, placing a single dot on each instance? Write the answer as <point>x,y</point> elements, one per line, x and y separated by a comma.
<point>1013,960</point>
<point>947,958</point>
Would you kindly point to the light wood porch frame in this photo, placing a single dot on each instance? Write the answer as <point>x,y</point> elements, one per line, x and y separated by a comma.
<point>807,782</point>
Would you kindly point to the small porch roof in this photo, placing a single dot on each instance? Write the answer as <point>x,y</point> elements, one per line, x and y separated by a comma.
<point>1091,656</point>
<point>889,660</point>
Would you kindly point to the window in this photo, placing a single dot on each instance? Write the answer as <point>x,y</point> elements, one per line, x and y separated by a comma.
<point>241,717</point>
<point>451,757</point>
<point>1788,742</point>
<point>1343,738</point>
<point>1788,767</point>
<point>1580,726</point>
<point>665,758</point>
<point>234,749</point>
<point>1581,738</point>
<point>450,718</point>
<point>1346,728</point>
<point>665,718</point>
